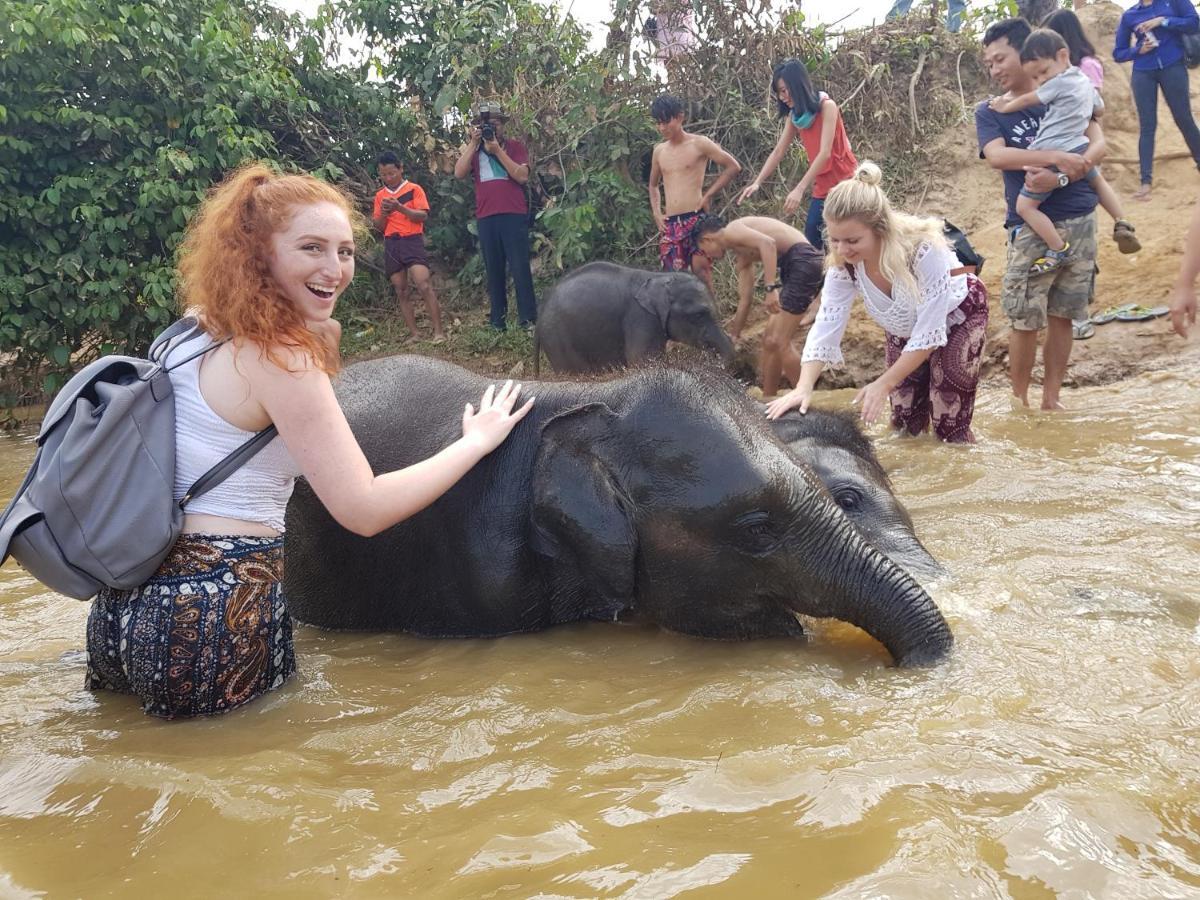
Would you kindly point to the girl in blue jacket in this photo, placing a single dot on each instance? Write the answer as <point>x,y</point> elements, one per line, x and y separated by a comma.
<point>1149,35</point>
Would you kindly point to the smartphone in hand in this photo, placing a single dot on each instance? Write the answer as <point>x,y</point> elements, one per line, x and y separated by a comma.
<point>406,196</point>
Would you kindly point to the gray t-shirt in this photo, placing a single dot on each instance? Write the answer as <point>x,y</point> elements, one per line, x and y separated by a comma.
<point>1070,99</point>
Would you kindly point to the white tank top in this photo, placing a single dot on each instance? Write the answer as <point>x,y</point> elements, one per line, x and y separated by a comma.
<point>256,492</point>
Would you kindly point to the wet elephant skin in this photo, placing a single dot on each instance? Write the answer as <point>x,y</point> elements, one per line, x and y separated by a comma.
<point>603,316</point>
<point>664,494</point>
<point>833,445</point>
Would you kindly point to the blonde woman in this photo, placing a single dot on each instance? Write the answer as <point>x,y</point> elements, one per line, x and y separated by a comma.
<point>912,284</point>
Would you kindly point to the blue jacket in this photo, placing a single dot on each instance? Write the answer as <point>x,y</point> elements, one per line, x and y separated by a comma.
<point>1180,18</point>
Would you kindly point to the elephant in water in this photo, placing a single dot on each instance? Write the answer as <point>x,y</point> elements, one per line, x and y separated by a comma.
<point>833,446</point>
<point>664,494</point>
<point>604,316</point>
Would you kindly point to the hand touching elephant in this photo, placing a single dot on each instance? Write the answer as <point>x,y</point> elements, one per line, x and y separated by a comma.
<point>664,495</point>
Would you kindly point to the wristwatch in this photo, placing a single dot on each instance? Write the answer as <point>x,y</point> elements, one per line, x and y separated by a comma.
<point>773,286</point>
<point>1063,180</point>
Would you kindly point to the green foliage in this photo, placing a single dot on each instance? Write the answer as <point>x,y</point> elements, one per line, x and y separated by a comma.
<point>116,116</point>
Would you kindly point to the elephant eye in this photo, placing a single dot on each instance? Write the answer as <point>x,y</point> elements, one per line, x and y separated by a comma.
<point>847,498</point>
<point>757,529</point>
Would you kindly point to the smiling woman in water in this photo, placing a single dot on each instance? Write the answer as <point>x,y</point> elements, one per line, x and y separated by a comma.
<point>262,266</point>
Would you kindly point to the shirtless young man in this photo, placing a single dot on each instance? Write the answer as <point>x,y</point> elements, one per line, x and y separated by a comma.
<point>679,163</point>
<point>793,274</point>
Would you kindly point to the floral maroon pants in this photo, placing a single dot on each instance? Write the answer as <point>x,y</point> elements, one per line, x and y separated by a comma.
<point>943,388</point>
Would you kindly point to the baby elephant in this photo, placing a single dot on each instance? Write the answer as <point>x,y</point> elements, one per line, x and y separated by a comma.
<point>605,316</point>
<point>835,448</point>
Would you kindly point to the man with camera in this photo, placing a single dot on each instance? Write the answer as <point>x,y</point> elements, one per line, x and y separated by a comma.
<point>500,168</point>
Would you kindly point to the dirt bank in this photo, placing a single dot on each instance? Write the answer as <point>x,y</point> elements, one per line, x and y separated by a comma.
<point>963,189</point>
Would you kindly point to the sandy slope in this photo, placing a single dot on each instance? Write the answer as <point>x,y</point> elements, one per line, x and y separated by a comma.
<point>966,191</point>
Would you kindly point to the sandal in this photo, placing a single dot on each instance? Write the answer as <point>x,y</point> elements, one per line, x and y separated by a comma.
<point>1110,314</point>
<point>1142,313</point>
<point>1126,237</point>
<point>1142,193</point>
<point>1082,330</point>
<point>1051,261</point>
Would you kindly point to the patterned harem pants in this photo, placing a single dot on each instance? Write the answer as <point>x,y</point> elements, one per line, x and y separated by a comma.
<point>207,633</point>
<point>943,388</point>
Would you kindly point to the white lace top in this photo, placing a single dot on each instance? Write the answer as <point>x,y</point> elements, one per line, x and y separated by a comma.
<point>923,318</point>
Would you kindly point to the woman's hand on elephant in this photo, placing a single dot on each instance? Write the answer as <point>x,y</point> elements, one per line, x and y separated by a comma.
<point>747,192</point>
<point>797,398</point>
<point>874,398</point>
<point>794,198</point>
<point>487,428</point>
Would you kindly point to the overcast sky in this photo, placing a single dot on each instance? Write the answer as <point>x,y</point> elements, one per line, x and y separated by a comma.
<point>595,13</point>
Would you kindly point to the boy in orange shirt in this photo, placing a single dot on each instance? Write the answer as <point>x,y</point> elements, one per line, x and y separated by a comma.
<point>399,214</point>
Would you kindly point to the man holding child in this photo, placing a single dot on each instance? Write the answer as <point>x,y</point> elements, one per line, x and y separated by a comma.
<point>1049,301</point>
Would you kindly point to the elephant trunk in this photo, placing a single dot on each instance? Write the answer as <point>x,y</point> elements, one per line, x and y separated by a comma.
<point>720,342</point>
<point>860,585</point>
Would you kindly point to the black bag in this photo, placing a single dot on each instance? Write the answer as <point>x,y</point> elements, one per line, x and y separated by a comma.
<point>967,255</point>
<point>1191,49</point>
<point>1190,42</point>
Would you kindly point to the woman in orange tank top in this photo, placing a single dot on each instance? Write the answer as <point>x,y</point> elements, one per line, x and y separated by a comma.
<point>812,118</point>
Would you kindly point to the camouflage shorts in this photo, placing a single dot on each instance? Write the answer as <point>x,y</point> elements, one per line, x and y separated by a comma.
<point>1027,299</point>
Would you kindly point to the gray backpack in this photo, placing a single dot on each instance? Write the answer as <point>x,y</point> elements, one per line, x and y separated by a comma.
<point>96,509</point>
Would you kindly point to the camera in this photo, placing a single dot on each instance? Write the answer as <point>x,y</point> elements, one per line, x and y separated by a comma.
<point>486,130</point>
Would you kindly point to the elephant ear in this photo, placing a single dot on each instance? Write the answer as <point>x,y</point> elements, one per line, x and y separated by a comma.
<point>654,296</point>
<point>582,529</point>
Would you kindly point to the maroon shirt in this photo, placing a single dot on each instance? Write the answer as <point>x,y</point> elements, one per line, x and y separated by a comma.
<point>495,190</point>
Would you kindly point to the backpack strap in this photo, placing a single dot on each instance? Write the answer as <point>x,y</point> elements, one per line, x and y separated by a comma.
<point>187,359</point>
<point>175,335</point>
<point>229,465</point>
<point>187,328</point>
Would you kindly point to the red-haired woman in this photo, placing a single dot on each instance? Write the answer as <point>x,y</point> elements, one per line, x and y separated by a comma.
<point>262,266</point>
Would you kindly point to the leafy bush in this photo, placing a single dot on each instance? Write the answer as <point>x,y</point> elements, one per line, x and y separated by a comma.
<point>118,115</point>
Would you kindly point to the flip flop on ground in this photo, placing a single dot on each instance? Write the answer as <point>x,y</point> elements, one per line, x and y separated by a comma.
<point>1142,313</point>
<point>1082,330</point>
<point>1110,314</point>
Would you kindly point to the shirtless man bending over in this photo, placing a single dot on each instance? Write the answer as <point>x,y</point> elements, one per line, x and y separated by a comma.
<point>793,274</point>
<point>680,163</point>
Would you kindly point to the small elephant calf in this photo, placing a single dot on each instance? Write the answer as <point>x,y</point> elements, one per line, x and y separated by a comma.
<point>605,316</point>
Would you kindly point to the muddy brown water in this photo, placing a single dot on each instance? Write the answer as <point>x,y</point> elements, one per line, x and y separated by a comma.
<point>1056,753</point>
